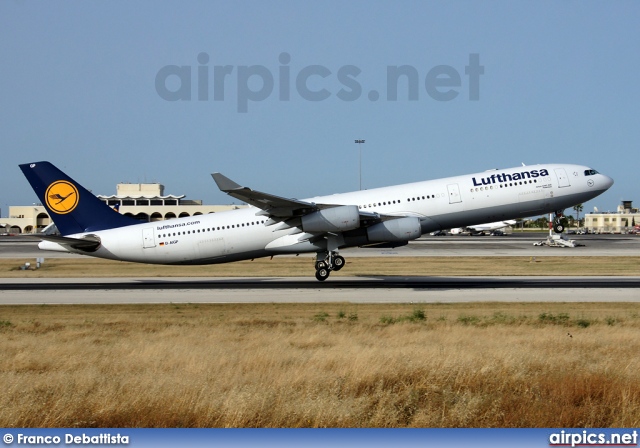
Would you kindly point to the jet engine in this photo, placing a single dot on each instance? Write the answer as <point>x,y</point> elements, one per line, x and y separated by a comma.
<point>335,219</point>
<point>401,229</point>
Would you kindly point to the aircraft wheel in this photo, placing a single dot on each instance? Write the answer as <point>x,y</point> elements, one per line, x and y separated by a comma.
<point>558,228</point>
<point>338,262</point>
<point>321,265</point>
<point>322,274</point>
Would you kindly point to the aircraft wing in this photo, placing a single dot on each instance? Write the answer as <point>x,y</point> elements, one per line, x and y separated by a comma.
<point>272,205</point>
<point>281,208</point>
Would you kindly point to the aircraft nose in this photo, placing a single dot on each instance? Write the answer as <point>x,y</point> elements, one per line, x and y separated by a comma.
<point>607,181</point>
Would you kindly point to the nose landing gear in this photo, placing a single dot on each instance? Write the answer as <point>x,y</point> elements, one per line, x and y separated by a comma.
<point>558,227</point>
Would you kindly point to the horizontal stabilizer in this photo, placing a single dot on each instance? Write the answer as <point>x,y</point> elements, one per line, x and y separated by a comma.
<point>87,244</point>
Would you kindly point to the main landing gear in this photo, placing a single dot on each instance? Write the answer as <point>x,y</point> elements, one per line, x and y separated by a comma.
<point>327,262</point>
<point>558,227</point>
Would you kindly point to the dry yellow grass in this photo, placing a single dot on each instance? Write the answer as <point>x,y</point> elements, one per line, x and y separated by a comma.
<point>303,267</point>
<point>336,365</point>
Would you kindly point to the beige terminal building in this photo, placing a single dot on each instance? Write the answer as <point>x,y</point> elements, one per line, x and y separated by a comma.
<point>146,202</point>
<point>621,221</point>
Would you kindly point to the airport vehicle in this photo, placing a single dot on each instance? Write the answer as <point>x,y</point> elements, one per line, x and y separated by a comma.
<point>557,241</point>
<point>388,216</point>
<point>480,229</point>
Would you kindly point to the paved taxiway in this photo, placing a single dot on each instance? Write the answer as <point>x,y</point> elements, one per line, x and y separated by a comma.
<point>344,289</point>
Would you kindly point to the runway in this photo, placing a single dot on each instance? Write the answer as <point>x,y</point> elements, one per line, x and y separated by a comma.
<point>305,290</point>
<point>350,283</point>
<point>348,289</point>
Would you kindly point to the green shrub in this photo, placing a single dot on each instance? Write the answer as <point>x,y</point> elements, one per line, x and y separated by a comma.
<point>560,319</point>
<point>321,317</point>
<point>417,314</point>
<point>469,320</point>
<point>583,323</point>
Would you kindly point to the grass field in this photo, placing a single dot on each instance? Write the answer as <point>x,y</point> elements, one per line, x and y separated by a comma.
<point>336,365</point>
<point>318,365</point>
<point>362,266</point>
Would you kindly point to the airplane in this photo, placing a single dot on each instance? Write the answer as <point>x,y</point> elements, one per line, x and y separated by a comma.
<point>479,229</point>
<point>273,225</point>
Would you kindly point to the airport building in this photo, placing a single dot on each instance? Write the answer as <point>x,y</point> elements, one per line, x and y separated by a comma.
<point>622,221</point>
<point>146,202</point>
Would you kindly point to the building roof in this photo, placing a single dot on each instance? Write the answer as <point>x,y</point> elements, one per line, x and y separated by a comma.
<point>142,196</point>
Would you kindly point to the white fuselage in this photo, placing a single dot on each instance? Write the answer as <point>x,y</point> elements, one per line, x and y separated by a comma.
<point>439,204</point>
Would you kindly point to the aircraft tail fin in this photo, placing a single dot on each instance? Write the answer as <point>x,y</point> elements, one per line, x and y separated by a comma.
<point>72,208</point>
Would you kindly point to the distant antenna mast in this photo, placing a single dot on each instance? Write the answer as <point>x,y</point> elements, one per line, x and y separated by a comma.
<point>360,142</point>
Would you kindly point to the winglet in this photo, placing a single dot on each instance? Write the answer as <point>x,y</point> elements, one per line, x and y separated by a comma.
<point>224,183</point>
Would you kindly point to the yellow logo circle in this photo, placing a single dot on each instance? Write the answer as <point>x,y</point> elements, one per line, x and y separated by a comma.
<point>62,197</point>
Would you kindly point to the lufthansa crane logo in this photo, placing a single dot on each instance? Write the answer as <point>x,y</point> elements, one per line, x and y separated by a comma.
<point>62,197</point>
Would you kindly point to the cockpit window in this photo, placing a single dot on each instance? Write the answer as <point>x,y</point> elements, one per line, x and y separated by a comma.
<point>590,172</point>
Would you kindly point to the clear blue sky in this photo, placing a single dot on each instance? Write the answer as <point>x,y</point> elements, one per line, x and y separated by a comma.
<point>78,88</point>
